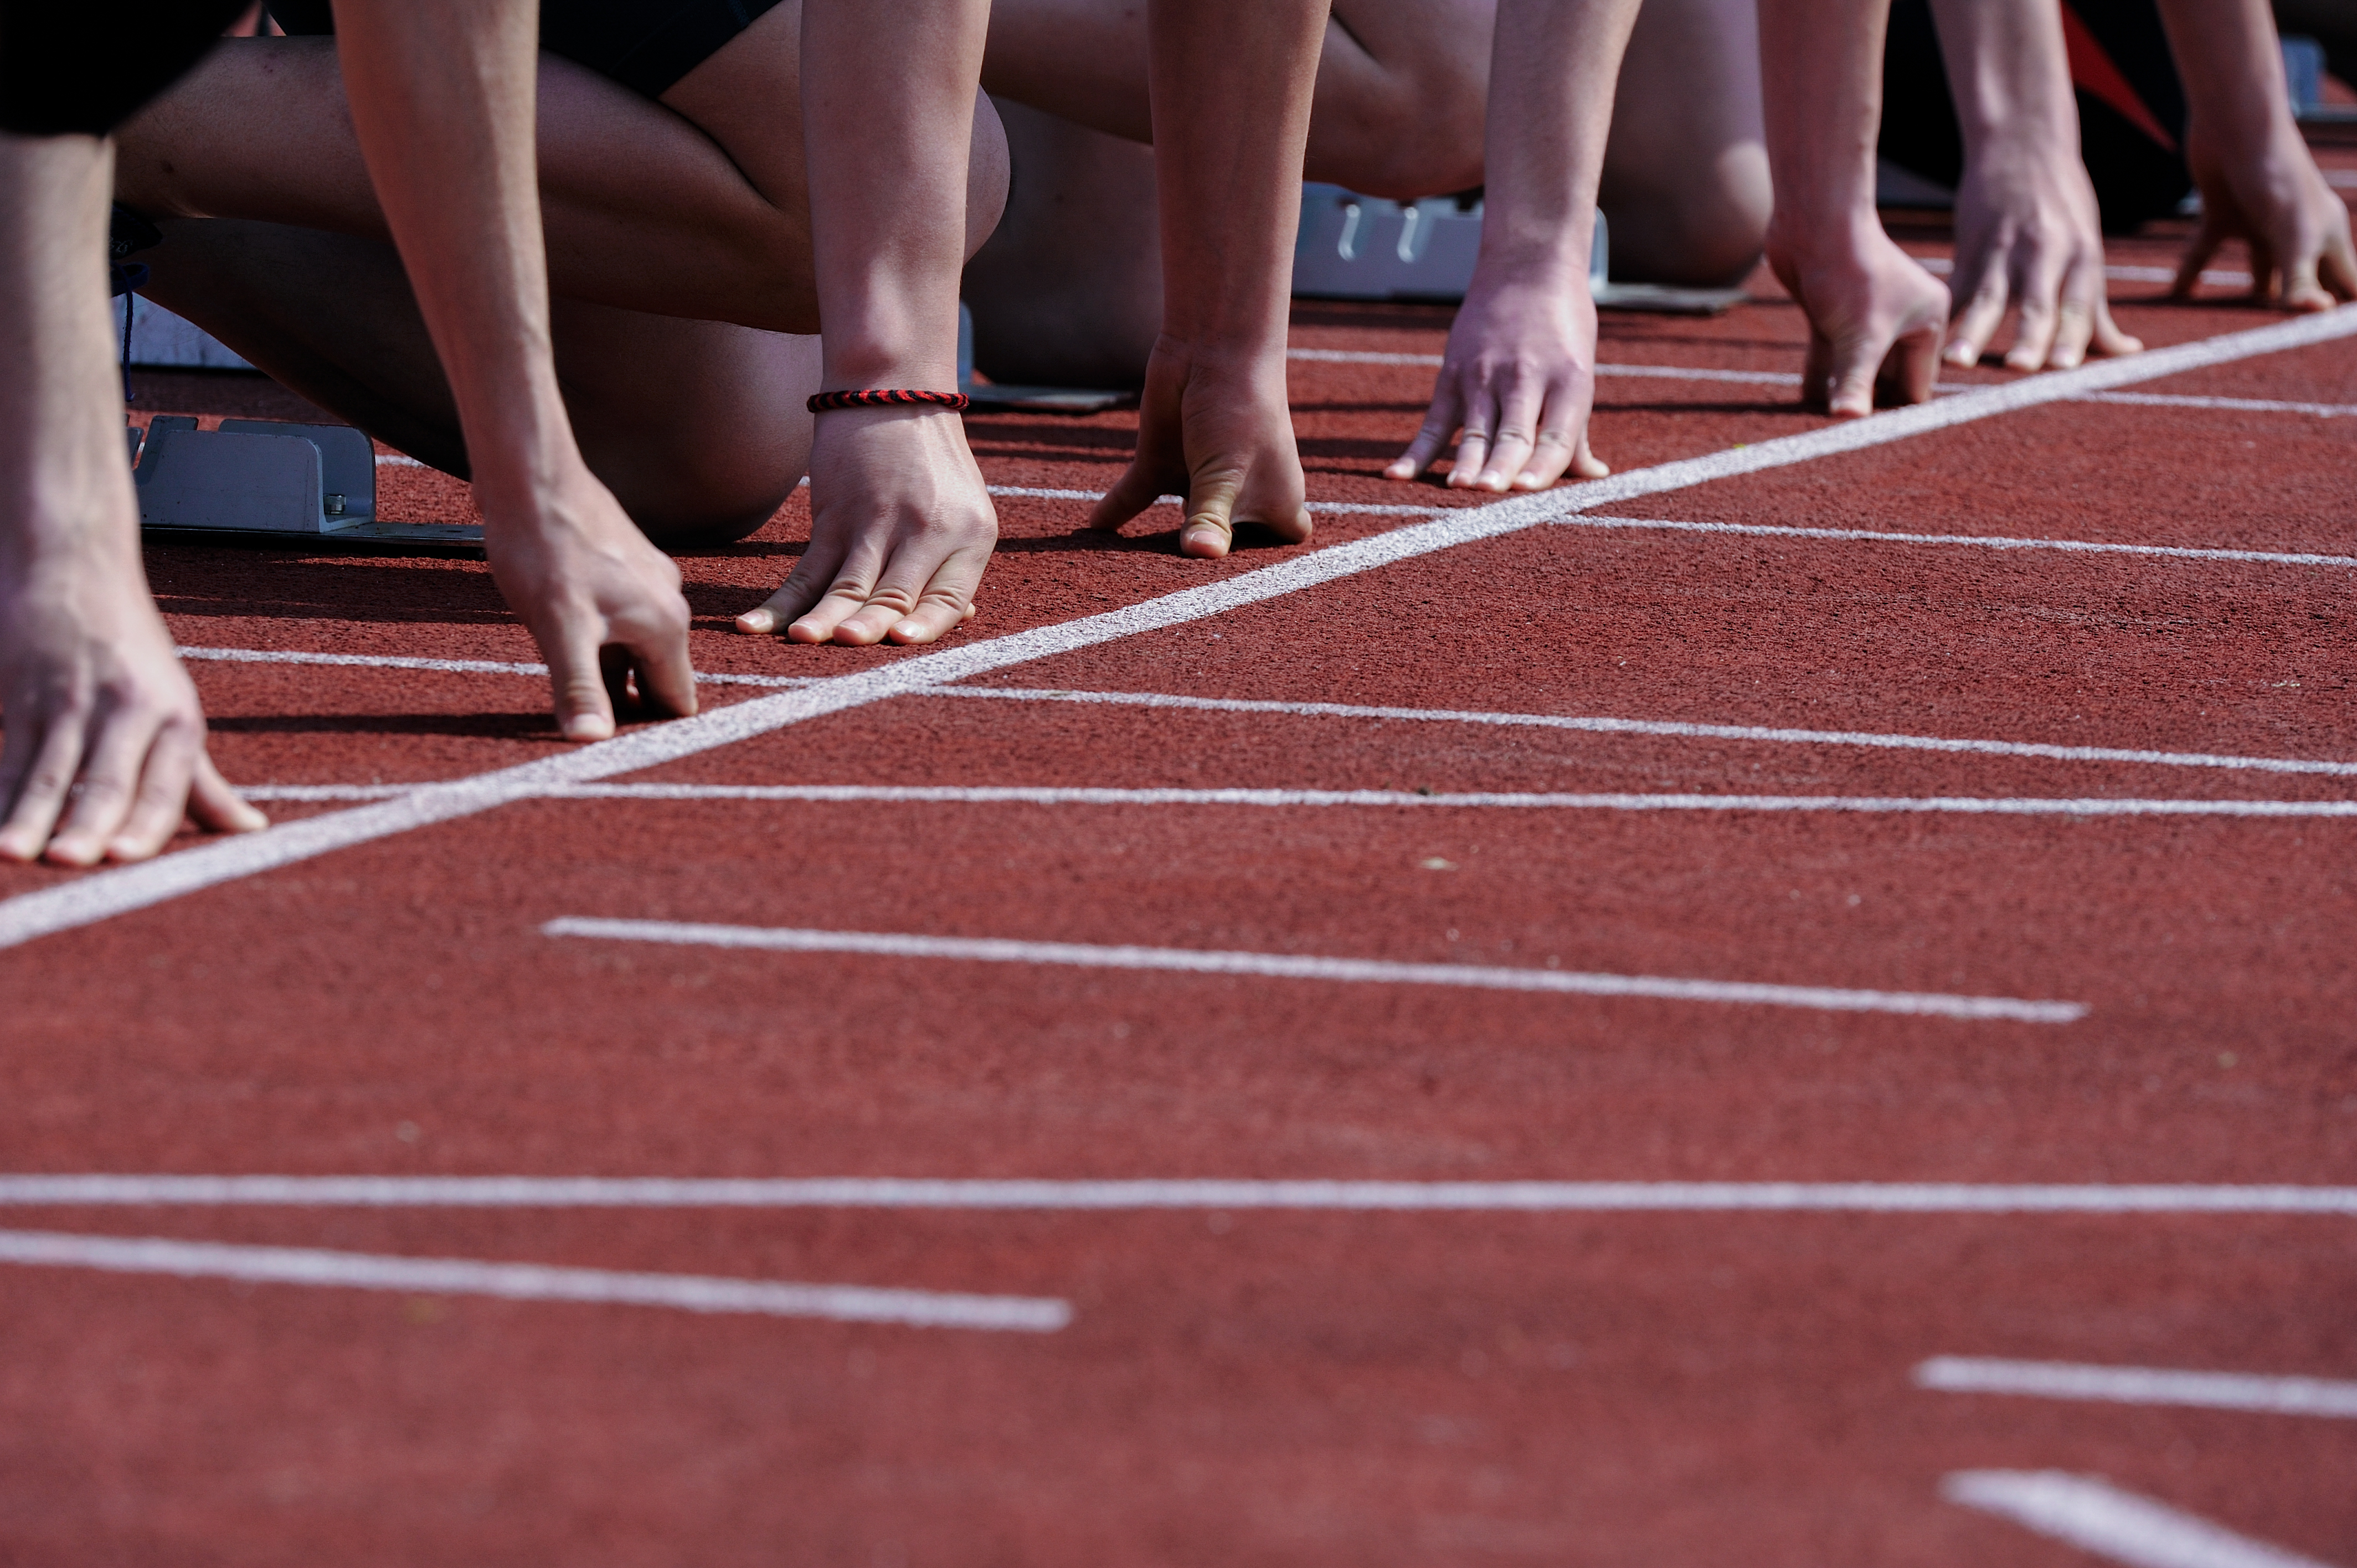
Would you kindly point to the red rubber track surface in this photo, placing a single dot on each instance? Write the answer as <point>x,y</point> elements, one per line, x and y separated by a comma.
<point>1270,1387</point>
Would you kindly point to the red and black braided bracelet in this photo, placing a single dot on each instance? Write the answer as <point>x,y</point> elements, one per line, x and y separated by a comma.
<point>888,397</point>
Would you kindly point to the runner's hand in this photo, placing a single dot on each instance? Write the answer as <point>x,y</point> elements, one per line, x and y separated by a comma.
<point>1217,431</point>
<point>602,602</point>
<point>1519,380</point>
<point>2271,197</point>
<point>901,531</point>
<point>2028,234</point>
<point>105,745</point>
<point>1876,319</point>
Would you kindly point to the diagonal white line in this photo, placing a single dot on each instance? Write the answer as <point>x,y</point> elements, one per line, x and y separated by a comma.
<point>2097,1517</point>
<point>1667,727</point>
<point>1152,1194</point>
<point>530,1281</point>
<point>451,666</point>
<point>105,894</point>
<point>1291,966</point>
<point>2231,404</point>
<point>2140,1385</point>
<point>1050,795</point>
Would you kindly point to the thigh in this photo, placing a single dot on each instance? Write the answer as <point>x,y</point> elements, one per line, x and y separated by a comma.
<point>1685,170</point>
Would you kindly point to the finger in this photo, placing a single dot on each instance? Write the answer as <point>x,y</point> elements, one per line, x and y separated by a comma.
<point>2034,334</point>
<point>1209,531</point>
<point>1139,487</point>
<point>804,587</point>
<point>2302,290</point>
<point>1516,436</point>
<point>1587,464</point>
<point>948,601</point>
<point>1563,436</point>
<point>2263,268</point>
<point>665,670</point>
<point>1817,371</point>
<point>1983,313</point>
<point>1438,426</point>
<point>108,786</point>
<point>1857,366</point>
<point>213,804</point>
<point>2108,339</point>
<point>2197,256</point>
<point>898,596</point>
<point>44,775</point>
<point>1913,367</point>
<point>2337,272</point>
<point>577,676</point>
<point>161,803</point>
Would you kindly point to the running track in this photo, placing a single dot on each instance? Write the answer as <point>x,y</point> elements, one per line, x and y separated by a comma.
<point>1789,1005</point>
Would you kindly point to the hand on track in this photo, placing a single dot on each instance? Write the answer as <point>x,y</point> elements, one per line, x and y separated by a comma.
<point>2272,198</point>
<point>901,531</point>
<point>2027,234</point>
<point>603,603</point>
<point>105,746</point>
<point>1519,380</point>
<point>1876,319</point>
<point>1218,432</point>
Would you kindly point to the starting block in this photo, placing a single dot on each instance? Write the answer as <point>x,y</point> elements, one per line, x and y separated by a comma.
<point>1364,247</point>
<point>263,478</point>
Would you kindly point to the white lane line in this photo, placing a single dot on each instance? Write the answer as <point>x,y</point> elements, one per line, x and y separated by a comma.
<point>1142,1196</point>
<point>2140,1385</point>
<point>396,461</point>
<point>2097,1517</point>
<point>1356,507</point>
<point>1348,711</point>
<point>1941,267</point>
<point>1290,966</point>
<point>451,666</point>
<point>1036,795</point>
<point>1980,541</point>
<point>2233,404</point>
<point>105,894</point>
<point>1764,734</point>
<point>531,1281</point>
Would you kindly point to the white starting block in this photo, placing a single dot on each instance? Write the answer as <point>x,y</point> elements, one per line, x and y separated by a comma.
<point>1364,247</point>
<point>264,477</point>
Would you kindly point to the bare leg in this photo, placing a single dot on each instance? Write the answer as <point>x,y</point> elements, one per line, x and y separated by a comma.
<point>1685,175</point>
<point>697,426</point>
<point>696,207</point>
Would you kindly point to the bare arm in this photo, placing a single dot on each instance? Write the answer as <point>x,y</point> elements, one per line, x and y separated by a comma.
<point>2027,230</point>
<point>1230,85</point>
<point>2259,182</point>
<point>1520,374</point>
<point>442,99</point>
<point>901,526</point>
<point>105,745</point>
<point>1875,317</point>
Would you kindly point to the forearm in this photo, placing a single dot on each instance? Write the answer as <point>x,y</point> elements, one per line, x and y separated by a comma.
<point>888,131</point>
<point>1232,81</point>
<point>1821,79</point>
<point>442,95</point>
<point>2231,65</point>
<point>2009,70</point>
<point>1553,66</point>
<point>64,488</point>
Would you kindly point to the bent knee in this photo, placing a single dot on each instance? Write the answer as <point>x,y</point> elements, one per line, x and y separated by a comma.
<point>1703,232</point>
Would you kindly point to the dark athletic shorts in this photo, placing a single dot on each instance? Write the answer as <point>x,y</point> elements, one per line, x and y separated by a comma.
<point>75,67</point>
<point>647,45</point>
<point>83,67</point>
<point>2131,106</point>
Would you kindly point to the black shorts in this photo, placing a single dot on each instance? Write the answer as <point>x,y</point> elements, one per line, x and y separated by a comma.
<point>79,68</point>
<point>647,45</point>
<point>2131,106</point>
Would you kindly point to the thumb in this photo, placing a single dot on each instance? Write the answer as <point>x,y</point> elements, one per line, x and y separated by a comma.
<point>584,712</point>
<point>1136,489</point>
<point>1210,528</point>
<point>1854,366</point>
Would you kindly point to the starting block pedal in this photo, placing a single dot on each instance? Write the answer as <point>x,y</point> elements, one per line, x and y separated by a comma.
<point>263,478</point>
<point>1364,247</point>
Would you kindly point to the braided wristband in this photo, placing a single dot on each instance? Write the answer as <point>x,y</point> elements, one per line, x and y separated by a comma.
<point>888,397</point>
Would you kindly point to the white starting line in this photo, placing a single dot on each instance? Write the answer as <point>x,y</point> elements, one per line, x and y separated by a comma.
<point>104,895</point>
<point>2099,1517</point>
<point>2140,1385</point>
<point>530,1281</point>
<point>1151,1195</point>
<point>992,795</point>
